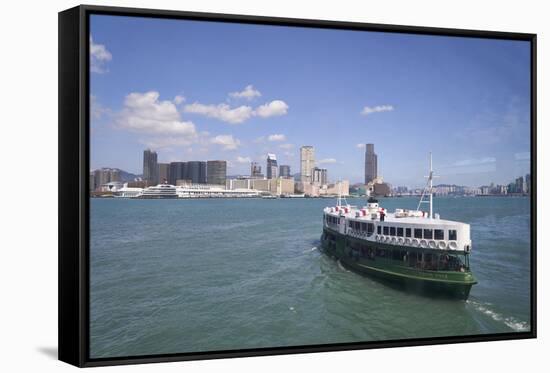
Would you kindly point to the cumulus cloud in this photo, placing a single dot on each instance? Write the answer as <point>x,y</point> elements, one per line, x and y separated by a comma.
<point>361,146</point>
<point>99,56</point>
<point>179,99</point>
<point>272,109</point>
<point>221,112</point>
<point>276,137</point>
<point>239,114</point>
<point>97,110</point>
<point>228,142</point>
<point>243,159</point>
<point>249,93</point>
<point>367,110</point>
<point>145,113</point>
<point>327,161</point>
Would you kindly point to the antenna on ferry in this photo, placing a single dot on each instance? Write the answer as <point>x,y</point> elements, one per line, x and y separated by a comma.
<point>428,191</point>
<point>339,200</point>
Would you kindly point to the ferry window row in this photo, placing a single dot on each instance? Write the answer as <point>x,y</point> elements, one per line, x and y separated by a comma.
<point>362,227</point>
<point>332,219</point>
<point>428,234</point>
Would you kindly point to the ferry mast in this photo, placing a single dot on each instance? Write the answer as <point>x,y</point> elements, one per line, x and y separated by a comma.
<point>428,191</point>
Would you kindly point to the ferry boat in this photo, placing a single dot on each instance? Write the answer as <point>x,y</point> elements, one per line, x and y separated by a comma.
<point>414,248</point>
<point>159,191</point>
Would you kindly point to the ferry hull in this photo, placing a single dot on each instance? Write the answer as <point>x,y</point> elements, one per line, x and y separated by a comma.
<point>449,284</point>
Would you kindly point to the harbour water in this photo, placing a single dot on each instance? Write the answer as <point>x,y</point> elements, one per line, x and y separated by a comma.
<point>169,276</point>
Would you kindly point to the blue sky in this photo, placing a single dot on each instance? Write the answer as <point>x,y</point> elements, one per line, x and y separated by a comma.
<point>204,90</point>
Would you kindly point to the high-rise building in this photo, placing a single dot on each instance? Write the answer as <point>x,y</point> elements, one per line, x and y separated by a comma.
<point>255,170</point>
<point>196,172</point>
<point>150,167</point>
<point>178,171</point>
<point>164,172</point>
<point>320,176</point>
<point>307,163</point>
<point>103,176</point>
<point>371,164</point>
<point>519,185</point>
<point>284,170</point>
<point>271,166</point>
<point>216,172</point>
<point>528,183</point>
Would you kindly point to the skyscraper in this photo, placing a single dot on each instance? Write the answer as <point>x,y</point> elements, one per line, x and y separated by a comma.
<point>196,172</point>
<point>255,170</point>
<point>150,167</point>
<point>271,166</point>
<point>216,172</point>
<point>320,176</point>
<point>284,170</point>
<point>371,164</point>
<point>164,172</point>
<point>178,171</point>
<point>307,163</point>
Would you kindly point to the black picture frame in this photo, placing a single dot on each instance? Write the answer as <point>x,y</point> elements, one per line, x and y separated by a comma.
<point>73,250</point>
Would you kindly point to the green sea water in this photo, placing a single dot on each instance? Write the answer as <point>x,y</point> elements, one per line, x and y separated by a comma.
<point>173,276</point>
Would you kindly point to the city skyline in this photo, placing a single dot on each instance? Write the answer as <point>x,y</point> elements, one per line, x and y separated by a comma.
<point>470,106</point>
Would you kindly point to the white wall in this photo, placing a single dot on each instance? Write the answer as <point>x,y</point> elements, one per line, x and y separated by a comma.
<point>28,125</point>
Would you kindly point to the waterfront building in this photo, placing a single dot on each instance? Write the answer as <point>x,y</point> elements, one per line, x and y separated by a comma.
<point>150,166</point>
<point>164,172</point>
<point>256,170</point>
<point>307,163</point>
<point>239,183</point>
<point>284,170</point>
<point>377,187</point>
<point>271,166</point>
<point>216,172</point>
<point>320,176</point>
<point>528,183</point>
<point>335,189</point>
<point>178,171</point>
<point>371,163</point>
<point>103,176</point>
<point>196,172</point>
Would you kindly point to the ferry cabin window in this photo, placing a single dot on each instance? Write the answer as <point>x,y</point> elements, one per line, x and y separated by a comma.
<point>417,233</point>
<point>386,231</point>
<point>399,232</point>
<point>407,232</point>
<point>392,231</point>
<point>370,228</point>
<point>379,229</point>
<point>428,234</point>
<point>438,234</point>
<point>452,234</point>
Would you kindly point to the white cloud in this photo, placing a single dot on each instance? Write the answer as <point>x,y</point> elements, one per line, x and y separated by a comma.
<point>179,99</point>
<point>145,113</point>
<point>99,55</point>
<point>243,159</point>
<point>222,112</point>
<point>96,109</point>
<point>276,137</point>
<point>249,93</point>
<point>475,162</point>
<point>239,114</point>
<point>376,109</point>
<point>327,161</point>
<point>228,142</point>
<point>361,146</point>
<point>274,108</point>
<point>286,146</point>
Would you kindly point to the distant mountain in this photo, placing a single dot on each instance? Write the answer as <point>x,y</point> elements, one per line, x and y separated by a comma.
<point>128,176</point>
<point>124,175</point>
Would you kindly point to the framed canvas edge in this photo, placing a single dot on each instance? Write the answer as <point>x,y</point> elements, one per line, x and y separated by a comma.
<point>73,194</point>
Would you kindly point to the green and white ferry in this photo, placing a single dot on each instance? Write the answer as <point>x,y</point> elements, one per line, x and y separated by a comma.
<point>415,248</point>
